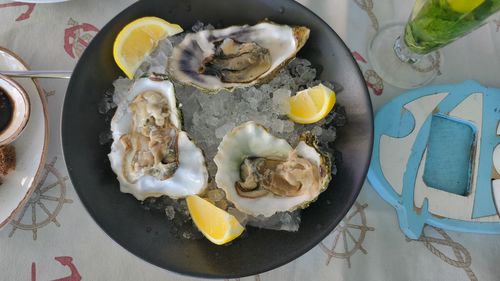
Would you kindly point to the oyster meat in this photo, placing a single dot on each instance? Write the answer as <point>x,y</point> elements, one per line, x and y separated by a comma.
<point>150,155</point>
<point>263,175</point>
<point>236,56</point>
<point>293,176</point>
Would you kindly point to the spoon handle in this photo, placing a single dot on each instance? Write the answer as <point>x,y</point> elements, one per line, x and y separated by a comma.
<point>56,74</point>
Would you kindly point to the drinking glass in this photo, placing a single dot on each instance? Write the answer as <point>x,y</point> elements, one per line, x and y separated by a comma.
<point>407,56</point>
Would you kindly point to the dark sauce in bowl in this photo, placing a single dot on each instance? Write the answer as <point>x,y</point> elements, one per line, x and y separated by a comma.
<point>6,110</point>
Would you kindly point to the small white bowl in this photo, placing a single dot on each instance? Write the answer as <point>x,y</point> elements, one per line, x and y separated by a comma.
<point>20,112</point>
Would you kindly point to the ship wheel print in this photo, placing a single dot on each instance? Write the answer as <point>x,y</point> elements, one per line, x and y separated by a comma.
<point>439,238</point>
<point>347,238</point>
<point>45,203</point>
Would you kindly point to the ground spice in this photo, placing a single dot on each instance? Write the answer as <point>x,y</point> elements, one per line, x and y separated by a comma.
<point>7,159</point>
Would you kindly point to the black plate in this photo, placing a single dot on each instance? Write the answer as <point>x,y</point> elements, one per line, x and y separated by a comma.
<point>146,234</point>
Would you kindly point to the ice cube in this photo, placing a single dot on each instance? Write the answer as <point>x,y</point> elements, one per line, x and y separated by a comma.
<point>187,235</point>
<point>223,130</point>
<point>281,101</point>
<point>121,86</point>
<point>240,216</point>
<point>328,135</point>
<point>198,26</point>
<point>170,212</point>
<point>317,131</point>
<point>287,221</point>
<point>216,194</point>
<point>105,137</point>
<point>277,126</point>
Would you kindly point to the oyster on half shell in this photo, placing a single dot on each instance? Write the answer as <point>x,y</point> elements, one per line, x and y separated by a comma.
<point>237,56</point>
<point>262,174</point>
<point>150,154</point>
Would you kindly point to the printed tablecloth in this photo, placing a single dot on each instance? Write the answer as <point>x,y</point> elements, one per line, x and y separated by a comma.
<point>57,238</point>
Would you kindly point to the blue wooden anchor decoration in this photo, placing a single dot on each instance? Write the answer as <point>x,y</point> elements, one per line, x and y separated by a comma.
<point>433,158</point>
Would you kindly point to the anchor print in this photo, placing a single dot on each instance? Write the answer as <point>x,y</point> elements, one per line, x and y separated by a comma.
<point>348,237</point>
<point>358,57</point>
<point>373,80</point>
<point>26,14</point>
<point>65,261</point>
<point>77,37</point>
<point>47,198</point>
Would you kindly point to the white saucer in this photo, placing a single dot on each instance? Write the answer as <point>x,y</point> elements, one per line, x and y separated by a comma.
<point>31,146</point>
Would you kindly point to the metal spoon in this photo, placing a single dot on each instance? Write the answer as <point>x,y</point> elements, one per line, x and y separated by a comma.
<point>55,74</point>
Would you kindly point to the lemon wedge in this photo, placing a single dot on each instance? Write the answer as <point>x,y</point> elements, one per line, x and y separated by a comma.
<point>311,105</point>
<point>138,39</point>
<point>464,6</point>
<point>217,225</point>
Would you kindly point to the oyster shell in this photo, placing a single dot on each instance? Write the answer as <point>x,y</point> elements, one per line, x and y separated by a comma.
<point>237,56</point>
<point>150,155</point>
<point>286,178</point>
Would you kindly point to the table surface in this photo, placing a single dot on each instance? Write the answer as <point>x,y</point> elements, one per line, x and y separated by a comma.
<point>366,246</point>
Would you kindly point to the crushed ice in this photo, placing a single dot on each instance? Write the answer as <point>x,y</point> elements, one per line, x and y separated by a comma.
<point>207,118</point>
